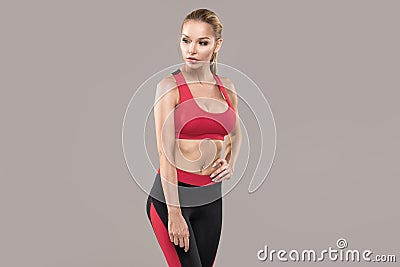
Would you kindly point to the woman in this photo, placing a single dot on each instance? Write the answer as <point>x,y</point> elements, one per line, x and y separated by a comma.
<point>185,203</point>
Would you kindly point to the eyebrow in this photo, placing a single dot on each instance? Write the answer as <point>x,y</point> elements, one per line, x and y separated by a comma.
<point>199,38</point>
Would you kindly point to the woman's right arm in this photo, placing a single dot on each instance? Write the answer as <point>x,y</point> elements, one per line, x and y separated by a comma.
<point>167,97</point>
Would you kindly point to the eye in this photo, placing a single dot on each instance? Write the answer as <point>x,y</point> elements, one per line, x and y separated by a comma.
<point>185,40</point>
<point>203,43</point>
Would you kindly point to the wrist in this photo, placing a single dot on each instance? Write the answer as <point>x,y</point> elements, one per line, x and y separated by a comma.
<point>174,210</point>
<point>231,166</point>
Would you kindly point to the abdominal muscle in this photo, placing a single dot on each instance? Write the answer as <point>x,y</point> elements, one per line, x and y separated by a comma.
<point>197,156</point>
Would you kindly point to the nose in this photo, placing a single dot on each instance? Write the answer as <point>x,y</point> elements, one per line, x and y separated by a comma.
<point>192,48</point>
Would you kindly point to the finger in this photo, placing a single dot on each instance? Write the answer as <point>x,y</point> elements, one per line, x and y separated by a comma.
<point>226,177</point>
<point>217,161</point>
<point>186,240</point>
<point>181,242</point>
<point>176,240</point>
<point>171,237</point>
<point>219,170</point>
<point>221,175</point>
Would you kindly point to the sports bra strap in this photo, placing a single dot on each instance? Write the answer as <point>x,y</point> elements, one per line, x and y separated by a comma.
<point>184,92</point>
<point>222,88</point>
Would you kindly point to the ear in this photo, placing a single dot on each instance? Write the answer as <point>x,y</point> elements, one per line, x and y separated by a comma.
<point>218,45</point>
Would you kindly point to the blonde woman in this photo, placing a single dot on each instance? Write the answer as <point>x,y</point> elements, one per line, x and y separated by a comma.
<point>195,109</point>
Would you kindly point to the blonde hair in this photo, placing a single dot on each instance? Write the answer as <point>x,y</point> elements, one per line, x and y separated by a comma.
<point>207,16</point>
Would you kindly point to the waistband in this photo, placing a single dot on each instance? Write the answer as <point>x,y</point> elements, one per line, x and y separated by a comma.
<point>192,178</point>
<point>189,196</point>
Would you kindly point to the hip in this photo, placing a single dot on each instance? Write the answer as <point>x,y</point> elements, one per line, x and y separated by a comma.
<point>193,189</point>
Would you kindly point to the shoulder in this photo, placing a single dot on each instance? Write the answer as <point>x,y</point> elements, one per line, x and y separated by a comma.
<point>166,84</point>
<point>167,87</point>
<point>227,83</point>
<point>230,88</point>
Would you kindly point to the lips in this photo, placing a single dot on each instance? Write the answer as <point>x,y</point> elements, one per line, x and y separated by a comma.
<point>192,59</point>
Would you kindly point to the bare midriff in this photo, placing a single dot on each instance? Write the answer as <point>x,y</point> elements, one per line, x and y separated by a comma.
<point>197,156</point>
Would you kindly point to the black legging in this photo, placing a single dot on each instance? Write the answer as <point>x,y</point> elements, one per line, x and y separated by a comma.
<point>201,206</point>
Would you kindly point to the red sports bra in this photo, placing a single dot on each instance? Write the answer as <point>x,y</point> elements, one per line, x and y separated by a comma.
<point>192,122</point>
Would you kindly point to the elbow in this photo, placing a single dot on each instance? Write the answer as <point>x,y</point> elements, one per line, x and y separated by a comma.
<point>236,133</point>
<point>165,149</point>
<point>162,154</point>
<point>166,155</point>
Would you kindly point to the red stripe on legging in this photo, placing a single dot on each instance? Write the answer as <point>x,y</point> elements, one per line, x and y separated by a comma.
<point>162,235</point>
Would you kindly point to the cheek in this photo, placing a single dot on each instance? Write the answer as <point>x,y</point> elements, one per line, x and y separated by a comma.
<point>182,47</point>
<point>206,51</point>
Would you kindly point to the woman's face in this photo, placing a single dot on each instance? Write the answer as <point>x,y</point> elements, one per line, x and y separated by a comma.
<point>198,43</point>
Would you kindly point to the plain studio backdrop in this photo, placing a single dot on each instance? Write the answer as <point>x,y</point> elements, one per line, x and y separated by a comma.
<point>329,70</point>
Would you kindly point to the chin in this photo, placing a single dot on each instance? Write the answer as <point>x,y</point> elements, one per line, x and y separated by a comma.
<point>196,65</point>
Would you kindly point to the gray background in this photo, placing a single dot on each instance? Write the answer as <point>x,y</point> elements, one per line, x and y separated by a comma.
<point>329,70</point>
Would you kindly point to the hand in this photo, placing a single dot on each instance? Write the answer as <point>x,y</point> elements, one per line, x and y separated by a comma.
<point>178,231</point>
<point>224,172</point>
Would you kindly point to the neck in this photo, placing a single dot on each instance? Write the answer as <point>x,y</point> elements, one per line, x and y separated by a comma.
<point>202,73</point>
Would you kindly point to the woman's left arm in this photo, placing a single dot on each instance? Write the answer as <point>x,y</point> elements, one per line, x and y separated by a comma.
<point>233,141</point>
